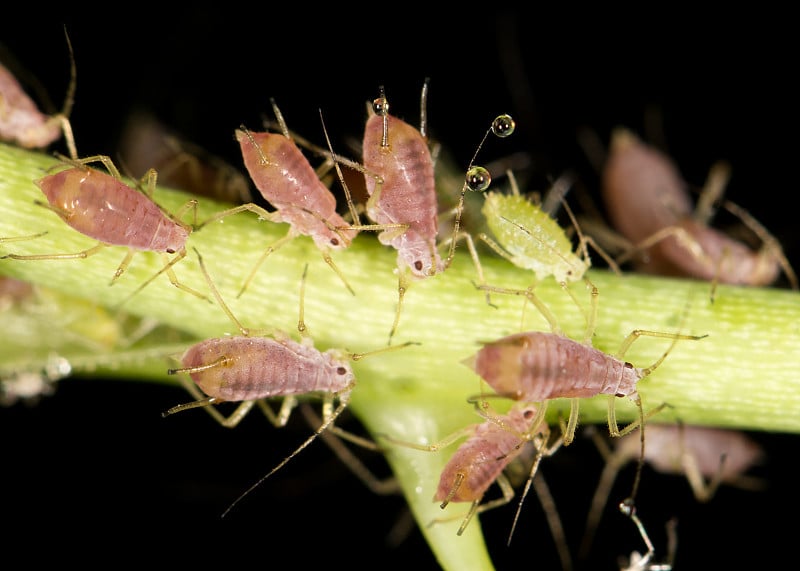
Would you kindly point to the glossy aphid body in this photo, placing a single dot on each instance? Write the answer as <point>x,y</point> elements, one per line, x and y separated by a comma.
<point>399,177</point>
<point>101,206</point>
<point>286,179</point>
<point>23,123</point>
<point>480,460</point>
<point>707,456</point>
<point>649,204</point>
<point>250,368</point>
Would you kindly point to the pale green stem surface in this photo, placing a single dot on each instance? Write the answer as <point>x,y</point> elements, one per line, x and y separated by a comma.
<point>742,375</point>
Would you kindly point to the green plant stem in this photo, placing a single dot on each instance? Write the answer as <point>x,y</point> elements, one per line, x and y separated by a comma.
<point>742,375</point>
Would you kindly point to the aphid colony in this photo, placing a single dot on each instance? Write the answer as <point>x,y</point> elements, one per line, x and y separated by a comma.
<point>523,370</point>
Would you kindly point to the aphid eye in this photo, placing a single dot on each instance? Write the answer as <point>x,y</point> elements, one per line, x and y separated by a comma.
<point>503,125</point>
<point>478,179</point>
<point>334,241</point>
<point>528,414</point>
<point>341,371</point>
<point>628,365</point>
<point>418,265</point>
<point>170,251</point>
<point>380,106</point>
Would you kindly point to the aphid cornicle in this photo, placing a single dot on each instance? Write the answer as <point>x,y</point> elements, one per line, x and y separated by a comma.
<point>649,204</point>
<point>286,179</point>
<point>250,368</point>
<point>21,121</point>
<point>399,176</point>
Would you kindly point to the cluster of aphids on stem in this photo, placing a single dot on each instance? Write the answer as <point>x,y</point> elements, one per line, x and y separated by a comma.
<point>643,193</point>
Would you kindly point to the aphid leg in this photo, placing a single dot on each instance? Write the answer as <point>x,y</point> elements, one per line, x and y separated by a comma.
<point>640,562</point>
<point>529,296</point>
<point>543,448</point>
<point>21,238</point>
<point>357,467</point>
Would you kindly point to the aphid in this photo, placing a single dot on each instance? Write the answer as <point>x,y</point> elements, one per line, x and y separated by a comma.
<point>706,456</point>
<point>649,204</point>
<point>639,562</point>
<point>248,369</point>
<point>100,205</point>
<point>399,176</point>
<point>21,121</point>
<point>537,366</point>
<point>481,459</point>
<point>286,179</point>
<point>526,235</point>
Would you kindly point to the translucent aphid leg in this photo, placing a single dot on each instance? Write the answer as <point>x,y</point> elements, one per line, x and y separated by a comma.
<point>332,437</point>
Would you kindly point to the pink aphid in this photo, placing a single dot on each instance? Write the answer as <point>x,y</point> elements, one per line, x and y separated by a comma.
<point>249,369</point>
<point>399,177</point>
<point>286,179</point>
<point>538,366</point>
<point>405,194</point>
<point>23,123</point>
<point>707,456</point>
<point>649,204</point>
<point>101,206</point>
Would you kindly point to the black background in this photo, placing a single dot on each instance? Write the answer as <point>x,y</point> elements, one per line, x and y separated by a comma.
<point>95,468</point>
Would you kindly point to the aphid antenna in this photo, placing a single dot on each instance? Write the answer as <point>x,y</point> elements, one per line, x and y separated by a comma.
<point>477,178</point>
<point>326,423</point>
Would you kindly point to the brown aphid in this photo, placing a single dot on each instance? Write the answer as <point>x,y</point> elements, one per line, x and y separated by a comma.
<point>23,123</point>
<point>649,204</point>
<point>101,206</point>
<point>286,179</point>
<point>250,368</point>
<point>707,456</point>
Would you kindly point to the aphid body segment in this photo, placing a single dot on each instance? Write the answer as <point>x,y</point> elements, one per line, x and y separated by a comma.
<point>649,203</point>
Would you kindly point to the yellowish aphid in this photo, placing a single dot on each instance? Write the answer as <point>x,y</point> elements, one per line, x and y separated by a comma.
<point>531,238</point>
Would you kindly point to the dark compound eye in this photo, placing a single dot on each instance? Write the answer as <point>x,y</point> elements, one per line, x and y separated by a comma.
<point>341,371</point>
<point>418,266</point>
<point>334,241</point>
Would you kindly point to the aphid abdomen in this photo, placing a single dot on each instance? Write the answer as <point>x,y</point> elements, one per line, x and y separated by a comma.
<point>21,122</point>
<point>536,242</point>
<point>289,183</point>
<point>261,367</point>
<point>537,366</point>
<point>104,208</point>
<point>637,178</point>
<point>722,256</point>
<point>407,194</point>
<point>482,457</point>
